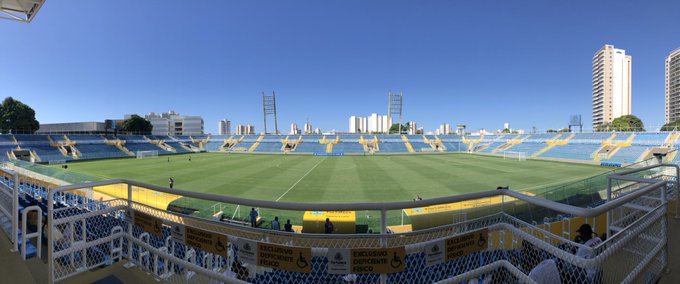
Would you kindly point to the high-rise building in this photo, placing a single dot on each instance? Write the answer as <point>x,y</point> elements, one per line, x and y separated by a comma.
<point>308,128</point>
<point>245,129</point>
<point>373,124</point>
<point>444,129</point>
<point>224,127</point>
<point>611,84</point>
<point>172,123</point>
<point>673,86</point>
<point>294,129</point>
<point>412,127</point>
<point>317,130</point>
<point>506,126</point>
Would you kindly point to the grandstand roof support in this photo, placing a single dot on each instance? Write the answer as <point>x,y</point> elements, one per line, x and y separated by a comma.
<point>20,10</point>
<point>269,108</point>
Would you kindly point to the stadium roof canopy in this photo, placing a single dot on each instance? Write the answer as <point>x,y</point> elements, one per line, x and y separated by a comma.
<point>20,10</point>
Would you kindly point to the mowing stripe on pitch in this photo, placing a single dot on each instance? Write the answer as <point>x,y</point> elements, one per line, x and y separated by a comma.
<point>310,170</point>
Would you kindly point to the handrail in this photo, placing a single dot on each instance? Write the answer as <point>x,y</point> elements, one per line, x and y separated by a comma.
<point>563,208</point>
<point>25,236</point>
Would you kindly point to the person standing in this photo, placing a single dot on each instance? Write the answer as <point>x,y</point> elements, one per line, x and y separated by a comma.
<point>171,182</point>
<point>276,226</point>
<point>253,218</point>
<point>328,227</point>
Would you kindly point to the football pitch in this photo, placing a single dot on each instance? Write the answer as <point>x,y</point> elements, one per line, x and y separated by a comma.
<point>304,178</point>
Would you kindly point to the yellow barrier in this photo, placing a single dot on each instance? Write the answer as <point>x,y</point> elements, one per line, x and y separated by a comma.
<point>141,195</point>
<point>344,222</point>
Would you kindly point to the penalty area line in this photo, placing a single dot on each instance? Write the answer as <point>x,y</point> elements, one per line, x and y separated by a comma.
<point>298,181</point>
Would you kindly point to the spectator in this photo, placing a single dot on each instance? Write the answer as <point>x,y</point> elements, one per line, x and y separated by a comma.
<point>171,182</point>
<point>253,218</point>
<point>590,241</point>
<point>546,272</point>
<point>288,226</point>
<point>587,238</point>
<point>328,226</point>
<point>350,278</point>
<point>275,224</point>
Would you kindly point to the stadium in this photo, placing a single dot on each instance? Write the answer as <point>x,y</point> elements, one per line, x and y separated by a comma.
<point>122,206</point>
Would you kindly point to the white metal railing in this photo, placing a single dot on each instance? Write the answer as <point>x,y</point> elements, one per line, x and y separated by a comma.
<point>26,236</point>
<point>136,239</point>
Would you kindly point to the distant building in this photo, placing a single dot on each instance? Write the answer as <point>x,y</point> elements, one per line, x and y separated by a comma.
<point>673,86</point>
<point>412,127</point>
<point>611,84</point>
<point>317,130</point>
<point>224,127</point>
<point>294,129</point>
<point>245,129</point>
<point>174,124</point>
<point>308,128</point>
<point>506,125</point>
<point>73,128</point>
<point>372,124</point>
<point>444,129</point>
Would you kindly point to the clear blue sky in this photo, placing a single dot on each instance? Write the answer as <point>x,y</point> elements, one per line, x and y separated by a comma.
<point>480,63</point>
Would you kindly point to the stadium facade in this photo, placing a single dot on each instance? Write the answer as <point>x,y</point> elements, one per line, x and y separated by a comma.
<point>673,86</point>
<point>611,84</point>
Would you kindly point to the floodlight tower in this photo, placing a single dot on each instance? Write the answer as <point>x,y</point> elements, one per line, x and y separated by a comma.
<point>394,106</point>
<point>269,108</point>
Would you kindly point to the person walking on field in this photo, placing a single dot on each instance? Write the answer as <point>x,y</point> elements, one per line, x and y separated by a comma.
<point>171,182</point>
<point>253,218</point>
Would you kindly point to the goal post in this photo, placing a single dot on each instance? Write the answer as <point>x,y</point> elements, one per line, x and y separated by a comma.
<point>146,154</point>
<point>520,156</point>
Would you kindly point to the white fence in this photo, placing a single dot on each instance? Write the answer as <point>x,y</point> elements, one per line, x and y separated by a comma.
<point>490,247</point>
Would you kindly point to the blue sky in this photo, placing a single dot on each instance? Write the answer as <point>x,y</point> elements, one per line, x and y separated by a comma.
<point>480,63</point>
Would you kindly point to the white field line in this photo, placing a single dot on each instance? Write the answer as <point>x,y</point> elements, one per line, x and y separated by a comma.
<point>298,181</point>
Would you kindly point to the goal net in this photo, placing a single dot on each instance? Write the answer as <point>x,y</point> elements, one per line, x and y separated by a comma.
<point>520,156</point>
<point>146,154</point>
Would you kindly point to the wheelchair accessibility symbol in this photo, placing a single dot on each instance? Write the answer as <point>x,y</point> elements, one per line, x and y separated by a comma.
<point>302,262</point>
<point>157,228</point>
<point>219,246</point>
<point>481,242</point>
<point>396,261</point>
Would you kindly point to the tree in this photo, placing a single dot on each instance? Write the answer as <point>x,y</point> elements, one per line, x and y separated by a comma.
<point>137,124</point>
<point>565,130</point>
<point>627,123</point>
<point>506,130</point>
<point>17,117</point>
<point>395,128</point>
<point>671,126</point>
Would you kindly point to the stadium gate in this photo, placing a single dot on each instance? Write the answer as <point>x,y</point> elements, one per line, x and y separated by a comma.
<point>178,248</point>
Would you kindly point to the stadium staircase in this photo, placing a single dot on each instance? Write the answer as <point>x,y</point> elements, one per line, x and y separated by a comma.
<point>555,141</point>
<point>670,141</point>
<point>329,143</point>
<point>508,144</point>
<point>408,144</point>
<point>370,146</point>
<point>200,142</point>
<point>438,144</point>
<point>471,143</point>
<point>230,143</point>
<point>290,145</point>
<point>610,147</point>
<point>257,143</point>
<point>120,144</point>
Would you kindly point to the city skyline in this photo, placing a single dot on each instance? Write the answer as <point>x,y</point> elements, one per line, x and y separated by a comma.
<point>526,63</point>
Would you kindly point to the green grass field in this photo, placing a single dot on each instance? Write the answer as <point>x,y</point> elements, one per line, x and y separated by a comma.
<point>297,178</point>
<point>303,178</point>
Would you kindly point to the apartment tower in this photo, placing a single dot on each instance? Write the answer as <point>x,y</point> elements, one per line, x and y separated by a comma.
<point>673,86</point>
<point>611,84</point>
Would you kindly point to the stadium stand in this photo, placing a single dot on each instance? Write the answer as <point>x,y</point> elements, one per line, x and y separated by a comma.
<point>624,147</point>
